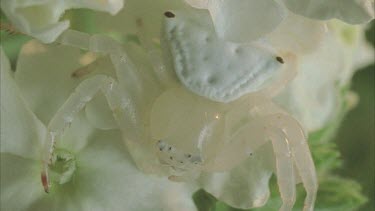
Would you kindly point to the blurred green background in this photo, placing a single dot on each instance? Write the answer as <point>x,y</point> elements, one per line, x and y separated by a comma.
<point>352,157</point>
<point>356,135</point>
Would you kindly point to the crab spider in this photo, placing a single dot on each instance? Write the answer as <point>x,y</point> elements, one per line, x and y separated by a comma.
<point>207,106</point>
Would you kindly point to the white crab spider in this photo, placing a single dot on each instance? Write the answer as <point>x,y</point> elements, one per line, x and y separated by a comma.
<point>209,114</point>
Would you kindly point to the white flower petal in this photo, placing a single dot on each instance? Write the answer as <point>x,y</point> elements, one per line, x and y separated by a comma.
<point>106,179</point>
<point>178,196</point>
<point>245,20</point>
<point>40,18</point>
<point>136,18</point>
<point>44,75</point>
<point>297,34</point>
<point>364,55</point>
<point>350,11</point>
<point>20,182</point>
<point>99,114</point>
<point>354,38</point>
<point>314,96</point>
<point>111,6</point>
<point>246,185</point>
<point>22,133</point>
<point>200,4</point>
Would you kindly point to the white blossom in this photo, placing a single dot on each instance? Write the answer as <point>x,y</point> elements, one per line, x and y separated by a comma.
<point>105,176</point>
<point>41,18</point>
<point>239,21</point>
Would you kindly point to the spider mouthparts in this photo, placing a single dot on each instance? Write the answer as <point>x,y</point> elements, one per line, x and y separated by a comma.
<point>45,182</point>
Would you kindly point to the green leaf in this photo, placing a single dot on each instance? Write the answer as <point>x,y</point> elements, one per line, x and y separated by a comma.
<point>204,201</point>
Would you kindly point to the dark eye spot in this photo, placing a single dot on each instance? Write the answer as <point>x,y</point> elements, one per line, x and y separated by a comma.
<point>169,14</point>
<point>279,59</point>
<point>170,148</point>
<point>171,157</point>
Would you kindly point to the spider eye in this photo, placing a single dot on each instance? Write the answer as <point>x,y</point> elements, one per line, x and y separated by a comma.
<point>169,14</point>
<point>280,60</point>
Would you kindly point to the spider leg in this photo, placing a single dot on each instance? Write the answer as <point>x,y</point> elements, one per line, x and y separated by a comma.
<point>155,57</point>
<point>136,82</point>
<point>258,132</point>
<point>290,147</point>
<point>284,169</point>
<point>291,133</point>
<point>276,118</point>
<point>302,156</point>
<point>120,104</point>
<point>126,72</point>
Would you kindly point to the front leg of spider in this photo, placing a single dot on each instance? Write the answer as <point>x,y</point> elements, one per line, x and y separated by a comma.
<point>120,102</point>
<point>65,115</point>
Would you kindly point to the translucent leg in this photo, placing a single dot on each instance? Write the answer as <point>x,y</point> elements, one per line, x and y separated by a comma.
<point>126,72</point>
<point>121,105</point>
<point>290,147</point>
<point>164,74</point>
<point>254,134</point>
<point>301,153</point>
<point>284,169</point>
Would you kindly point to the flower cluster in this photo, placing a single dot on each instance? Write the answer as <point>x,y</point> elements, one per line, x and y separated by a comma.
<point>91,168</point>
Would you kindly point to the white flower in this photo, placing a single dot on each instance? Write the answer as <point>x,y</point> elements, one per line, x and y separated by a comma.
<point>246,20</point>
<point>316,96</point>
<point>41,18</point>
<point>92,169</point>
<point>44,79</point>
